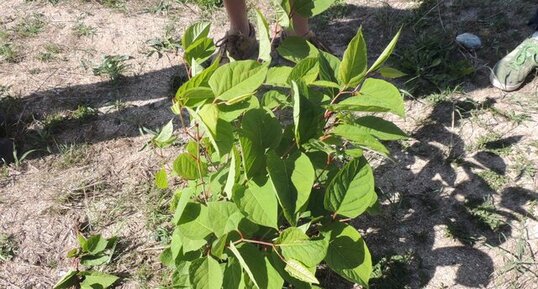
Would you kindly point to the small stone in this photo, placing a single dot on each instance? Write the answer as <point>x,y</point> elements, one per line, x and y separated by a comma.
<point>469,41</point>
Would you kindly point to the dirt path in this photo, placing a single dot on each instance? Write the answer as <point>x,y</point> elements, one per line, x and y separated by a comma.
<point>459,197</point>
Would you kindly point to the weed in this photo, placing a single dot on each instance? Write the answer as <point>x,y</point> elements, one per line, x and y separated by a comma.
<point>51,52</point>
<point>207,4</point>
<point>392,272</point>
<point>31,26</point>
<point>8,53</point>
<point>457,230</point>
<point>83,113</point>
<point>52,122</point>
<point>523,167</point>
<point>163,45</point>
<point>82,30</point>
<point>115,4</point>
<point>112,66</point>
<point>494,180</point>
<point>493,142</point>
<point>485,212</point>
<point>162,8</point>
<point>72,154</point>
<point>8,247</point>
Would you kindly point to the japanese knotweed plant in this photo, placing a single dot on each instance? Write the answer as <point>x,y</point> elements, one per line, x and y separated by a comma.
<point>274,169</point>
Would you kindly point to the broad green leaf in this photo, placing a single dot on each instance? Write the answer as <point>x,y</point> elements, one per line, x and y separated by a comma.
<point>278,76</point>
<point>292,180</point>
<point>94,280</point>
<point>218,246</point>
<point>94,260</point>
<point>280,266</point>
<point>195,97</point>
<point>199,51</point>
<point>282,16</point>
<point>69,280</point>
<point>194,222</point>
<point>195,32</point>
<point>329,66</point>
<point>295,244</point>
<point>347,254</point>
<point>166,258</point>
<point>275,98</point>
<point>258,203</point>
<point>354,61</point>
<point>224,217</point>
<point>181,244</point>
<point>165,136</point>
<point>161,180</point>
<point>258,268</point>
<point>350,191</point>
<point>295,48</point>
<point>206,273</point>
<point>233,275</point>
<point>200,80</point>
<point>359,136</point>
<point>264,40</point>
<point>389,72</point>
<point>326,84</point>
<point>184,199</point>
<point>386,53</point>
<point>306,70</point>
<point>376,95</point>
<point>186,166</point>
<point>95,244</point>
<point>180,278</point>
<point>238,255</point>
<point>306,115</point>
<point>310,8</point>
<point>380,128</point>
<point>297,270</point>
<point>260,130</point>
<point>220,132</point>
<point>233,173</point>
<point>237,79</point>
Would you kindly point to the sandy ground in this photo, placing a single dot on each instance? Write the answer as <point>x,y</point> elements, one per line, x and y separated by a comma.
<point>473,147</point>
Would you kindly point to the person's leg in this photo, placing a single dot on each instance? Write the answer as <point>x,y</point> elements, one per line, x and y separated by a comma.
<point>237,14</point>
<point>300,25</point>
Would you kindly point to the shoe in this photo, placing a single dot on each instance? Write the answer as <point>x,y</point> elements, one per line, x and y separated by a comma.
<point>238,46</point>
<point>510,72</point>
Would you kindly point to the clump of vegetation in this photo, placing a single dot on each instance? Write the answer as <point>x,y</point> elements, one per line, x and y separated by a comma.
<point>266,199</point>
<point>51,52</point>
<point>112,66</point>
<point>83,30</point>
<point>116,4</point>
<point>92,251</point>
<point>9,53</point>
<point>495,180</point>
<point>392,272</point>
<point>8,247</point>
<point>485,212</point>
<point>31,26</point>
<point>204,3</point>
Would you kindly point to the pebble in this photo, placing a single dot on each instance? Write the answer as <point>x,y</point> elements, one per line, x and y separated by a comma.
<point>469,41</point>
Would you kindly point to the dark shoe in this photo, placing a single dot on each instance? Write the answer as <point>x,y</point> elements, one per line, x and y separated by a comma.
<point>238,46</point>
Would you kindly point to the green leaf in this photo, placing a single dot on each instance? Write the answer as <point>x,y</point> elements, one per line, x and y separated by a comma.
<point>237,79</point>
<point>386,53</point>
<point>233,173</point>
<point>95,244</point>
<point>347,254</point>
<point>205,273</point>
<point>181,244</point>
<point>220,132</point>
<point>260,130</point>
<point>326,84</point>
<point>295,48</point>
<point>200,80</point>
<point>199,51</point>
<point>194,222</point>
<point>278,76</point>
<point>329,65</point>
<point>69,280</point>
<point>195,32</point>
<point>376,95</point>
<point>233,275</point>
<point>310,8</point>
<point>389,72</point>
<point>380,128</point>
<point>306,70</point>
<point>186,166</point>
<point>231,112</point>
<point>306,115</point>
<point>218,246</point>
<point>350,191</point>
<point>274,98</point>
<point>359,136</point>
<point>292,180</point>
<point>264,40</point>
<point>258,203</point>
<point>94,260</point>
<point>282,16</point>
<point>184,199</point>
<point>295,244</point>
<point>94,280</point>
<point>166,258</point>
<point>354,61</point>
<point>195,97</point>
<point>165,137</point>
<point>161,180</point>
<point>181,279</point>
<point>297,270</point>
<point>224,217</point>
<point>257,266</point>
